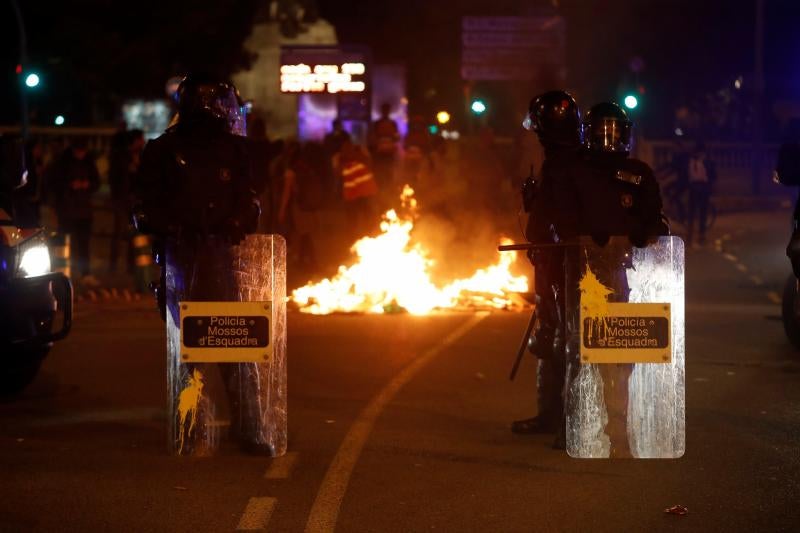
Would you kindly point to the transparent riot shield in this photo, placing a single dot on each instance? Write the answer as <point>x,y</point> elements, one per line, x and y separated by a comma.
<point>625,349</point>
<point>217,382</point>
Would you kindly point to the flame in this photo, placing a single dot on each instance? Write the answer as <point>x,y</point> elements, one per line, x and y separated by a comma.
<point>392,271</point>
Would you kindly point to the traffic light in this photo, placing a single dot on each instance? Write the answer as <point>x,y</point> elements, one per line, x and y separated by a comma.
<point>32,80</point>
<point>59,121</point>
<point>478,107</point>
<point>631,101</point>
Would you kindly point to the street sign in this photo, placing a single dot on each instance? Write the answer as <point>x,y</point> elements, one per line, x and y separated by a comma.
<point>627,333</point>
<point>226,332</point>
<point>512,48</point>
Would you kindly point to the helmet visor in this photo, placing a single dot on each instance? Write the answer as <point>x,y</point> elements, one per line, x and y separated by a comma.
<point>527,122</point>
<point>219,101</point>
<point>608,135</point>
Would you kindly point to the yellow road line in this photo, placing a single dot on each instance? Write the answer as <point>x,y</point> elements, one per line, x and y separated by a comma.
<point>281,467</point>
<point>257,514</point>
<point>325,511</point>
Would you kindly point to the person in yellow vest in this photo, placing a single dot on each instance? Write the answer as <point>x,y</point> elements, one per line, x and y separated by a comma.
<point>359,187</point>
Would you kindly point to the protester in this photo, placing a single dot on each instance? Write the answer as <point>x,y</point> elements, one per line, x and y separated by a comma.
<point>263,152</point>
<point>675,191</point>
<point>283,188</point>
<point>359,188</point>
<point>302,196</point>
<point>332,144</point>
<point>417,146</point>
<point>75,179</point>
<point>27,199</point>
<point>384,138</point>
<point>125,159</point>
<point>701,176</point>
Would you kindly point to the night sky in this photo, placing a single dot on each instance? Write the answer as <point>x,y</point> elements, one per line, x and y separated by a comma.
<point>93,56</point>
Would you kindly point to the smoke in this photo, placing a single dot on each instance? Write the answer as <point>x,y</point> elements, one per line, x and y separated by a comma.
<point>464,209</point>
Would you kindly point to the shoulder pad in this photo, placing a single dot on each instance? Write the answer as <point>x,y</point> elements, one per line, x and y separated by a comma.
<point>629,177</point>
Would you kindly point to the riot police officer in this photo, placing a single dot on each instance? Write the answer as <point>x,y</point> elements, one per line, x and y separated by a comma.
<point>618,195</point>
<point>197,196</point>
<point>555,118</point>
<point>609,194</point>
<point>195,180</point>
<point>196,177</point>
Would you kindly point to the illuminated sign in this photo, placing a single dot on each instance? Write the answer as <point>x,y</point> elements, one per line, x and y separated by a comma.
<point>323,78</point>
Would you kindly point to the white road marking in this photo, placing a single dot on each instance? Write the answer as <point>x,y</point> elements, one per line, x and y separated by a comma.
<point>730,257</point>
<point>257,514</point>
<point>726,237</point>
<point>740,267</point>
<point>281,467</point>
<point>325,511</point>
<point>774,297</point>
<point>757,280</point>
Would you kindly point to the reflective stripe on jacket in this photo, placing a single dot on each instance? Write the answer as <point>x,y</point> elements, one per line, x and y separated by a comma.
<point>358,181</point>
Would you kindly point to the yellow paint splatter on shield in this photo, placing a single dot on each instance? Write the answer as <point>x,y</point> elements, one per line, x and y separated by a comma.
<point>594,303</point>
<point>188,402</point>
<point>594,295</point>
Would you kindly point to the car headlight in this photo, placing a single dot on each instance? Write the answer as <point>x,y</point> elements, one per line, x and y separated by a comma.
<point>35,261</point>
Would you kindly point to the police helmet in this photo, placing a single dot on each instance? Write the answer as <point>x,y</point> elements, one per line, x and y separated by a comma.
<point>203,98</point>
<point>555,118</point>
<point>607,128</point>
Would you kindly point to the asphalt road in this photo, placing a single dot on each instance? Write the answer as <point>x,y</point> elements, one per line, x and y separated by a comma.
<point>399,423</point>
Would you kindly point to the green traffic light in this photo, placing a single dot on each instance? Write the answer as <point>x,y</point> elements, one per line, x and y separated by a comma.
<point>478,107</point>
<point>32,80</point>
<point>631,101</point>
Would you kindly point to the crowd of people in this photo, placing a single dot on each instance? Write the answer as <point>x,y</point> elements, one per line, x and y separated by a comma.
<point>364,179</point>
<point>297,181</point>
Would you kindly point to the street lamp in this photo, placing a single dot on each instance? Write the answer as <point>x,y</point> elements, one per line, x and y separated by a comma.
<point>443,117</point>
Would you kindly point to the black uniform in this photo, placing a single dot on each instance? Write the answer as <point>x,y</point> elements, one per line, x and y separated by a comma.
<point>198,183</point>
<point>555,118</point>
<point>605,195</point>
<point>547,341</point>
<point>197,195</point>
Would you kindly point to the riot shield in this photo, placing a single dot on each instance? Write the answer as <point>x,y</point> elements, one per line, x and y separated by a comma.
<point>226,344</point>
<point>625,349</point>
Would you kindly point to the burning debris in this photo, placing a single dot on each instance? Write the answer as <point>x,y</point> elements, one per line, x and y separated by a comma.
<point>392,272</point>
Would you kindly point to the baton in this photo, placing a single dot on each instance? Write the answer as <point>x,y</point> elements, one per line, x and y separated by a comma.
<point>532,246</point>
<point>523,345</point>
